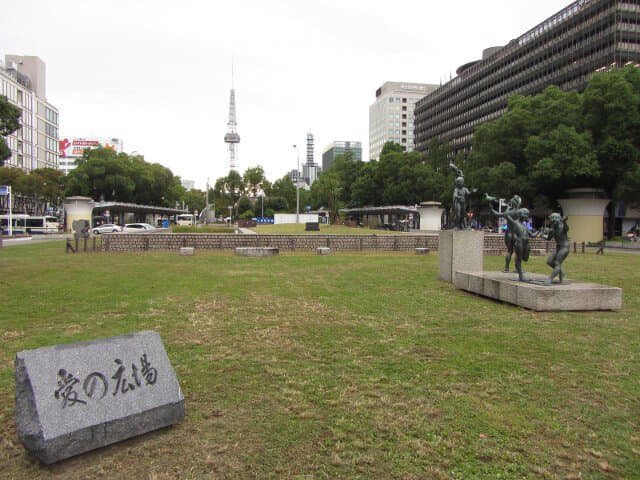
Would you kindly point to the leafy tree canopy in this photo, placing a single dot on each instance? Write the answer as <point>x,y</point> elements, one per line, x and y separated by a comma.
<point>545,144</point>
<point>9,123</point>
<point>106,175</point>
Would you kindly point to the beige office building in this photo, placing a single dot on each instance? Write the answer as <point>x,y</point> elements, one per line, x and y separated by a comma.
<point>391,115</point>
<point>35,143</point>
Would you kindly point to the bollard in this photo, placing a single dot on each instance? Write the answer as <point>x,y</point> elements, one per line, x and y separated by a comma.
<point>575,247</point>
<point>76,246</point>
<point>94,243</point>
<point>582,247</point>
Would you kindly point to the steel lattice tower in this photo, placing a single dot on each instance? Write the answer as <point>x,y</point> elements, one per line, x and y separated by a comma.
<point>232,139</point>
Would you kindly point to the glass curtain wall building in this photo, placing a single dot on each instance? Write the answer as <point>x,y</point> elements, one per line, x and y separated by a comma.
<point>564,50</point>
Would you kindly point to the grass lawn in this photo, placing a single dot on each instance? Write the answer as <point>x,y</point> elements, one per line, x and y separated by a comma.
<point>354,365</point>
<point>324,229</point>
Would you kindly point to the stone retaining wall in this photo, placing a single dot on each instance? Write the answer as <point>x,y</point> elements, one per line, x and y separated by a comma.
<point>125,242</point>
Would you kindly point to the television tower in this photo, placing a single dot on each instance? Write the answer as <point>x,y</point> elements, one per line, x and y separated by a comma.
<point>232,139</point>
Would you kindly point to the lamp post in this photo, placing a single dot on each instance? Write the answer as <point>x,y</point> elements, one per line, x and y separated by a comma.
<point>207,201</point>
<point>297,185</point>
<point>262,195</point>
<point>230,210</point>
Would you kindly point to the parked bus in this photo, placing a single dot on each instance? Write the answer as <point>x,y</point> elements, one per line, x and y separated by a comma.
<point>22,224</point>
<point>18,222</point>
<point>185,219</point>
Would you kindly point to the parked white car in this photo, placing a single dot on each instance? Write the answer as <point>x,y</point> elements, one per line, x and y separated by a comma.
<point>106,228</point>
<point>138,227</point>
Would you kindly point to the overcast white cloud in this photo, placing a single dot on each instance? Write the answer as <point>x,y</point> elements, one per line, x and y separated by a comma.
<point>157,73</point>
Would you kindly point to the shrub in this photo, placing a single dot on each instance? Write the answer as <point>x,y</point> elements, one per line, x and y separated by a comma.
<point>201,229</point>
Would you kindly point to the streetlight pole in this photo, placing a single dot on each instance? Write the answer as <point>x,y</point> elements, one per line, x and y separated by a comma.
<point>297,185</point>
<point>208,200</point>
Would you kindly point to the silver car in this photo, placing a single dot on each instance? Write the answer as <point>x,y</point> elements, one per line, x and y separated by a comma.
<point>138,227</point>
<point>106,228</point>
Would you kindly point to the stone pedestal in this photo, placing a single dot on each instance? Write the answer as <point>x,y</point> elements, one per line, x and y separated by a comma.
<point>323,251</point>
<point>430,216</point>
<point>459,250</point>
<point>186,251</point>
<point>571,295</point>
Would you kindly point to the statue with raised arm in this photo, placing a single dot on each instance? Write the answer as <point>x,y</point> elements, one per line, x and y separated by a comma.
<point>460,204</point>
<point>513,206</point>
<point>521,234</point>
<point>559,232</point>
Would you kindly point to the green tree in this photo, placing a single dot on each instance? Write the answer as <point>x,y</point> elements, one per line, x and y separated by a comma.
<point>103,174</point>
<point>366,190</point>
<point>253,179</point>
<point>285,189</point>
<point>9,123</point>
<point>328,187</point>
<point>346,170</point>
<point>244,205</point>
<point>195,199</point>
<point>557,140</point>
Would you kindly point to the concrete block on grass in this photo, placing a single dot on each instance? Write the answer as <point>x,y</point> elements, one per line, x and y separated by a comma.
<point>257,251</point>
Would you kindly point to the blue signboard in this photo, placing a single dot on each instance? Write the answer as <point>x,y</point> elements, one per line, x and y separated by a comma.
<point>4,190</point>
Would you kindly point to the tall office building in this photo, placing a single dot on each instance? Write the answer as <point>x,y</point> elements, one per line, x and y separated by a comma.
<point>564,50</point>
<point>35,143</point>
<point>310,169</point>
<point>391,115</point>
<point>334,149</point>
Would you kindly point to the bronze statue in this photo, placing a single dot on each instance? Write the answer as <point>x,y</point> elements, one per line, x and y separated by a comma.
<point>559,232</point>
<point>513,207</point>
<point>521,234</point>
<point>460,204</point>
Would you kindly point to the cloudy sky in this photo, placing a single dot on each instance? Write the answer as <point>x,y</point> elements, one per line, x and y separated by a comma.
<point>157,73</point>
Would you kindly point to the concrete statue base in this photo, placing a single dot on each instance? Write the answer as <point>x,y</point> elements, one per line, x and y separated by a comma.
<point>571,295</point>
<point>459,250</point>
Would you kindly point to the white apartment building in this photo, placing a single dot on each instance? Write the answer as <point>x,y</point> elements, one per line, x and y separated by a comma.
<point>391,115</point>
<point>35,143</point>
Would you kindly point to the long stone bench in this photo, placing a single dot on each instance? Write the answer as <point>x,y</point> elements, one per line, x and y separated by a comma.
<point>257,251</point>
